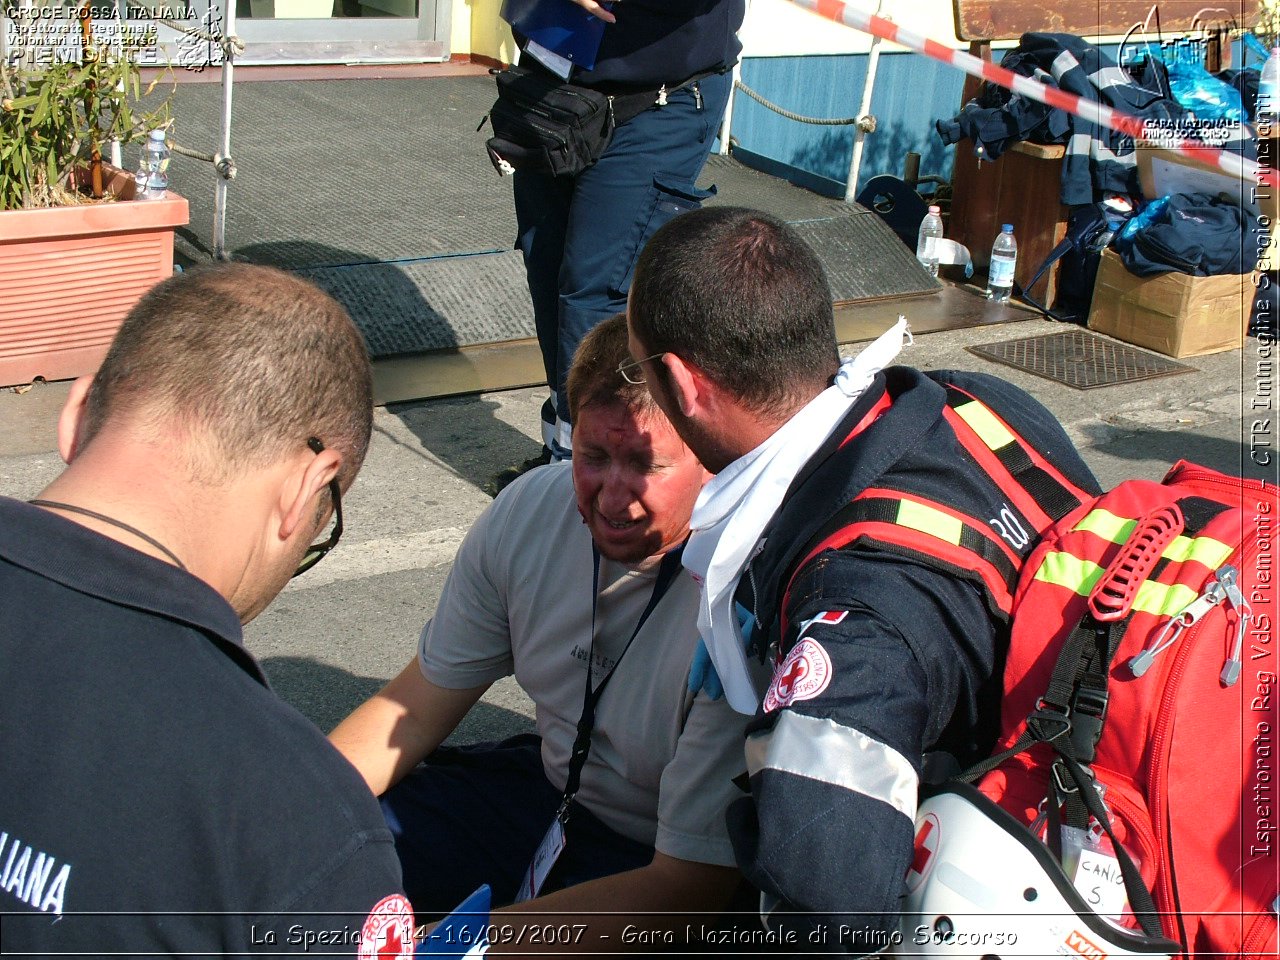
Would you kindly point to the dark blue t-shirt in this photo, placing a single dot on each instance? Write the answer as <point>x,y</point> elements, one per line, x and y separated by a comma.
<point>656,42</point>
<point>158,797</point>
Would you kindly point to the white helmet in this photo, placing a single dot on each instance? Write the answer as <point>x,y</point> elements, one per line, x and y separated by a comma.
<point>982,886</point>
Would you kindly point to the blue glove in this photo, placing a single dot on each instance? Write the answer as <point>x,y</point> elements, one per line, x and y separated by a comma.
<point>702,672</point>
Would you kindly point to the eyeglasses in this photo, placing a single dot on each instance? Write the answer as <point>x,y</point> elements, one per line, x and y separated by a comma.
<point>315,553</point>
<point>630,369</point>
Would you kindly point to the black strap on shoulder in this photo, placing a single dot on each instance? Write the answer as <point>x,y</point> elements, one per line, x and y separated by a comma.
<point>1056,254</point>
<point>1199,512</point>
<point>1050,495</point>
<point>885,510</point>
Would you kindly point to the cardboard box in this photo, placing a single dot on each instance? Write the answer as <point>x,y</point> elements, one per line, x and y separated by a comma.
<point>1161,172</point>
<point>1172,313</point>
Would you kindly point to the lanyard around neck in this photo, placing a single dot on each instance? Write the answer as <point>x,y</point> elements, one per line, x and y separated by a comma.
<point>591,696</point>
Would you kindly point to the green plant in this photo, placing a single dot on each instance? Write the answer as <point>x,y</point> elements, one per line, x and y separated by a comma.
<point>55,120</point>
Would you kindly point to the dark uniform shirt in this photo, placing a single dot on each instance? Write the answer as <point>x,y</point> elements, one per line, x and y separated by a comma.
<point>886,656</point>
<point>157,796</point>
<point>656,42</point>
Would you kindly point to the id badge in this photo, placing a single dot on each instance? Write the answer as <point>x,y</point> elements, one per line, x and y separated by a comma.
<point>544,858</point>
<point>1090,861</point>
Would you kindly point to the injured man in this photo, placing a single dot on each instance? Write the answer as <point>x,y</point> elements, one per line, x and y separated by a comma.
<point>572,583</point>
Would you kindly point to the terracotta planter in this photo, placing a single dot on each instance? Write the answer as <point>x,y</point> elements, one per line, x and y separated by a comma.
<point>68,276</point>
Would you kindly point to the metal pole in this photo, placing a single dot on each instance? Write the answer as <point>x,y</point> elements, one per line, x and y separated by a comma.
<point>726,125</point>
<point>864,112</point>
<point>224,143</point>
<point>117,157</point>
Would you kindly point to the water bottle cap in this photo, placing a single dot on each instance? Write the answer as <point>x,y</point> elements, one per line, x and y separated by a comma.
<point>1007,228</point>
<point>935,209</point>
<point>157,135</point>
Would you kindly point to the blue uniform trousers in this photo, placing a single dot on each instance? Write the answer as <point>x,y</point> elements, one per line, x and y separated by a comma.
<point>476,814</point>
<point>581,235</point>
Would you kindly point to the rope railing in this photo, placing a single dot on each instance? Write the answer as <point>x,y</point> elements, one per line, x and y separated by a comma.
<point>799,118</point>
<point>230,45</point>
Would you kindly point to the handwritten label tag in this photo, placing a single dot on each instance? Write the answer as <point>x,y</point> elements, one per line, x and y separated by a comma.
<point>1096,874</point>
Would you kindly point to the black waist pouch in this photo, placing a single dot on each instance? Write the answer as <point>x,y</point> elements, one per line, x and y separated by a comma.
<point>546,125</point>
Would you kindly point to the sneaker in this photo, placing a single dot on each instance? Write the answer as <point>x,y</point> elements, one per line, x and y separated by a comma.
<point>503,478</point>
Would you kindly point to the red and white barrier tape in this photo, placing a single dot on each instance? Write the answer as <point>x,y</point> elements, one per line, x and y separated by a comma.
<point>1236,166</point>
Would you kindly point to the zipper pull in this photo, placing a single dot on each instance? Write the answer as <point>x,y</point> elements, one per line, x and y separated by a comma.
<point>1228,579</point>
<point>662,96</point>
<point>1181,622</point>
<point>613,123</point>
<point>697,97</point>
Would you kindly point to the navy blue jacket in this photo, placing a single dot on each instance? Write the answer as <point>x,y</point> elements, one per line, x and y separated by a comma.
<point>656,42</point>
<point>159,798</point>
<point>1098,160</point>
<point>884,658</point>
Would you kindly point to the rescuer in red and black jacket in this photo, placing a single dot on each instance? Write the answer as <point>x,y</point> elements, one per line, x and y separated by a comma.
<point>882,581</point>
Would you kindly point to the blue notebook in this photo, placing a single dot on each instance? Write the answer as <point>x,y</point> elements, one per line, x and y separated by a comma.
<point>462,933</point>
<point>562,27</point>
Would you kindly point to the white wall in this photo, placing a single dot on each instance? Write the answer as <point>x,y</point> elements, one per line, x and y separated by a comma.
<point>776,28</point>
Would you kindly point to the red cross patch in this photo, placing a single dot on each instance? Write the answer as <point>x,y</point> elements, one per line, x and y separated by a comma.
<point>803,674</point>
<point>388,930</point>
<point>927,835</point>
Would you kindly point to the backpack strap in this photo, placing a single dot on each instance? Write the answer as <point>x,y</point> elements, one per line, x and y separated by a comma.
<point>1056,254</point>
<point>948,539</point>
<point>911,525</point>
<point>1038,489</point>
<point>1069,700</point>
<point>1088,231</point>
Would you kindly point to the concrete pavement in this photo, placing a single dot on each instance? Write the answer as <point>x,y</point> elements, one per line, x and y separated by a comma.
<point>336,634</point>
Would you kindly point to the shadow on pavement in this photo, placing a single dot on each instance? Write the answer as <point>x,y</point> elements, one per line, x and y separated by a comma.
<point>1228,455</point>
<point>325,694</point>
<point>396,316</point>
<point>464,434</point>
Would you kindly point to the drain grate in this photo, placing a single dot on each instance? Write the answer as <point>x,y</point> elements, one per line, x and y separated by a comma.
<point>1080,359</point>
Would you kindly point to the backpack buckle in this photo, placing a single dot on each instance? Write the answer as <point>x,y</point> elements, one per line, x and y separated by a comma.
<point>1065,782</point>
<point>1046,726</point>
<point>1088,712</point>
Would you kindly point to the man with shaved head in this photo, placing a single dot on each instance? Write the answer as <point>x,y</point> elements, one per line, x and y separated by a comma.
<point>160,798</point>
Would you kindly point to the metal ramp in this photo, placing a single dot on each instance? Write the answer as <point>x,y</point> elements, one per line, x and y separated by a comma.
<point>405,222</point>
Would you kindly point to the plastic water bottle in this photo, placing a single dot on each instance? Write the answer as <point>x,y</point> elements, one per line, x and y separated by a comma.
<point>1004,259</point>
<point>154,172</point>
<point>927,242</point>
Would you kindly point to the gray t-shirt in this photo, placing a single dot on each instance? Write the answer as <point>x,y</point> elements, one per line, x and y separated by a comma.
<point>518,601</point>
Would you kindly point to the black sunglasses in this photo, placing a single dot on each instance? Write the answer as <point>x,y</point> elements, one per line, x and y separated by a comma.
<point>315,553</point>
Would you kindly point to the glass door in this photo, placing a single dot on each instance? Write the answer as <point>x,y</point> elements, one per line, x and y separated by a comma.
<point>299,31</point>
<point>343,31</point>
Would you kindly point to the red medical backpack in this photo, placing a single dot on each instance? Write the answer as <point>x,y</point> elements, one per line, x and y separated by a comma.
<point>1140,706</point>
